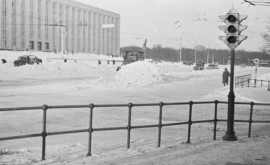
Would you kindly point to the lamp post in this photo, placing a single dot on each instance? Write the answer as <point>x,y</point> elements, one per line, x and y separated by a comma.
<point>195,51</point>
<point>178,25</point>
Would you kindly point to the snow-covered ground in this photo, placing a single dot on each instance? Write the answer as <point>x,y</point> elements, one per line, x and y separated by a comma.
<point>81,80</point>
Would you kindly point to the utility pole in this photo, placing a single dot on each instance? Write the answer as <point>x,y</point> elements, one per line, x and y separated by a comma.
<point>180,50</point>
<point>207,60</point>
<point>178,25</point>
<point>195,56</point>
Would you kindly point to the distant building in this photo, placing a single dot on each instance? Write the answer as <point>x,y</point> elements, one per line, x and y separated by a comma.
<point>58,25</point>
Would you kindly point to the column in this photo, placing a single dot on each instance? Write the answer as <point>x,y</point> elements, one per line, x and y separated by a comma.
<point>117,38</point>
<point>105,42</point>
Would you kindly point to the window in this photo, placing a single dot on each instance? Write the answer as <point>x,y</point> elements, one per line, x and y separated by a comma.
<point>39,45</point>
<point>31,45</point>
<point>47,45</point>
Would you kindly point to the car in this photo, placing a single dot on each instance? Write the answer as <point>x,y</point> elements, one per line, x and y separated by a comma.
<point>27,59</point>
<point>242,65</point>
<point>199,66</point>
<point>212,66</point>
<point>133,56</point>
<point>188,63</point>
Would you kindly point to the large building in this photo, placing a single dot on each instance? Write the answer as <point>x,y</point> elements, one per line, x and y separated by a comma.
<point>58,25</point>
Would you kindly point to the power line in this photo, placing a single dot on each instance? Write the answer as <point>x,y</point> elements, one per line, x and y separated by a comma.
<point>257,3</point>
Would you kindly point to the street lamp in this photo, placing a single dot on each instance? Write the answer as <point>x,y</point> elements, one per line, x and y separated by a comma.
<point>195,50</point>
<point>178,25</point>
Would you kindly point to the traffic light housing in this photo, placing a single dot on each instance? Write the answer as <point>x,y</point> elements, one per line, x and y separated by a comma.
<point>233,28</point>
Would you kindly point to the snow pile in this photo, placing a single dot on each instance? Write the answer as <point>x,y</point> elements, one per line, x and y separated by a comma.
<point>10,56</point>
<point>265,77</point>
<point>140,73</point>
<point>53,65</point>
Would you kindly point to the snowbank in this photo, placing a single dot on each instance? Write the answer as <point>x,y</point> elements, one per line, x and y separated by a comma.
<point>265,77</point>
<point>83,81</point>
<point>140,73</point>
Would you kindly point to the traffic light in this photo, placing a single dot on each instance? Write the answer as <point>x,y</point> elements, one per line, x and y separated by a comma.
<point>233,28</point>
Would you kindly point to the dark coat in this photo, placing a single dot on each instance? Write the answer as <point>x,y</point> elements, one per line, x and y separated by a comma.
<point>225,76</point>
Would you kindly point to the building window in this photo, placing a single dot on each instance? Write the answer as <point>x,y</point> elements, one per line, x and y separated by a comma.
<point>47,45</point>
<point>31,45</point>
<point>39,44</point>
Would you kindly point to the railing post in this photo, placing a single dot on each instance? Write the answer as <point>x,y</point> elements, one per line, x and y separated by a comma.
<point>215,120</point>
<point>248,82</point>
<point>90,130</point>
<point>44,133</point>
<point>189,121</point>
<point>250,118</point>
<point>160,123</point>
<point>255,82</point>
<point>129,125</point>
<point>261,83</point>
<point>268,85</point>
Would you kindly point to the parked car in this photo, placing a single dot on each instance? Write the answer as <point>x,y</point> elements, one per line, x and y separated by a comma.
<point>242,65</point>
<point>188,63</point>
<point>27,59</point>
<point>212,66</point>
<point>199,66</point>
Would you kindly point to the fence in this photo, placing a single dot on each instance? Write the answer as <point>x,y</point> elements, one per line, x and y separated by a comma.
<point>242,80</point>
<point>129,127</point>
<point>246,80</point>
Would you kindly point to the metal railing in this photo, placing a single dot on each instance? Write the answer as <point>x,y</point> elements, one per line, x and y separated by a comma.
<point>242,80</point>
<point>247,81</point>
<point>129,126</point>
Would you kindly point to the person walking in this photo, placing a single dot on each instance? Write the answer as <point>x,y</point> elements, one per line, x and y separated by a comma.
<point>225,77</point>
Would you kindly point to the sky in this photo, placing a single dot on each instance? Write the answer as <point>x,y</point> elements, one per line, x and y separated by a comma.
<point>155,20</point>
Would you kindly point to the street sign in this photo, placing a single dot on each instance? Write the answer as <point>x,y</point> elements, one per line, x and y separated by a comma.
<point>256,61</point>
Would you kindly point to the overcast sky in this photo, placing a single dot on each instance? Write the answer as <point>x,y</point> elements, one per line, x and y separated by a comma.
<point>155,20</point>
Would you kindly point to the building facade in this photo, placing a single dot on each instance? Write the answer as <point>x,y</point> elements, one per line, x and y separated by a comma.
<point>58,25</point>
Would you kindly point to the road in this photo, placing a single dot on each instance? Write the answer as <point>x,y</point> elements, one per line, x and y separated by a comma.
<point>201,87</point>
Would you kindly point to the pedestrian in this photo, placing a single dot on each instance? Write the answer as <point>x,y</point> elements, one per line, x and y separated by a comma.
<point>225,77</point>
<point>4,61</point>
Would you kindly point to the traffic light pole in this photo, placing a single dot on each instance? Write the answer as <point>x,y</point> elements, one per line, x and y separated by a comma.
<point>230,134</point>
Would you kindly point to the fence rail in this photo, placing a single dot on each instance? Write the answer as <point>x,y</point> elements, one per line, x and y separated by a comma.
<point>247,81</point>
<point>129,126</point>
<point>241,80</point>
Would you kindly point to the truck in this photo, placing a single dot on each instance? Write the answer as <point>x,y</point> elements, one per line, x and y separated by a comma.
<point>130,57</point>
<point>199,66</point>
